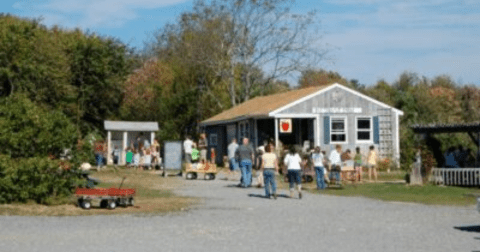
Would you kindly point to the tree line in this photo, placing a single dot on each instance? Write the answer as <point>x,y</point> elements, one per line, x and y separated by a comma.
<point>57,86</point>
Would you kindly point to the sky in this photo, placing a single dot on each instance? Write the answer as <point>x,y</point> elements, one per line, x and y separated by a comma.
<point>368,40</point>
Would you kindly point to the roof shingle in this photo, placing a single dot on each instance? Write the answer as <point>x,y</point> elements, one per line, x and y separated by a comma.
<point>261,106</point>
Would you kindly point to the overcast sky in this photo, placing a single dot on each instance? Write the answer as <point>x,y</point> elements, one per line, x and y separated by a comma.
<point>369,39</point>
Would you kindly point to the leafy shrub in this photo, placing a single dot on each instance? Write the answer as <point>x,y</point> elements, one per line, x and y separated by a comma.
<point>28,130</point>
<point>38,179</point>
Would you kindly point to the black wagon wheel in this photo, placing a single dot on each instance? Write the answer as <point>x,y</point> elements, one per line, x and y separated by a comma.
<point>309,178</point>
<point>190,175</point>
<point>112,204</point>
<point>104,203</point>
<point>86,204</point>
<point>131,201</point>
<point>212,176</point>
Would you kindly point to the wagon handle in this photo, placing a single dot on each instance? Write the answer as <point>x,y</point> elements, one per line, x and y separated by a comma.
<point>122,182</point>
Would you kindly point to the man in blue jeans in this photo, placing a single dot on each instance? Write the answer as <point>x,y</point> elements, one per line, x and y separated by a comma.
<point>244,154</point>
<point>336,162</point>
<point>317,158</point>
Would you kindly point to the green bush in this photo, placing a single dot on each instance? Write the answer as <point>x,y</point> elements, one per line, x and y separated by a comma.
<point>38,179</point>
<point>28,130</point>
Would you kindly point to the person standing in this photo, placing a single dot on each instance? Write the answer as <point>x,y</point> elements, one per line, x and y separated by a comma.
<point>202,145</point>
<point>245,155</point>
<point>294,166</point>
<point>372,163</point>
<point>269,168</point>
<point>116,155</point>
<point>233,164</point>
<point>335,163</point>
<point>187,148</point>
<point>358,159</point>
<point>318,158</point>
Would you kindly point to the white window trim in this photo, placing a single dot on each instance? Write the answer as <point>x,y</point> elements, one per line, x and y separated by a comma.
<point>371,130</point>
<point>332,118</point>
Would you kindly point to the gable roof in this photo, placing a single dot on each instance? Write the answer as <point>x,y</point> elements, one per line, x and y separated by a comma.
<point>269,106</point>
<point>130,126</point>
<point>261,106</point>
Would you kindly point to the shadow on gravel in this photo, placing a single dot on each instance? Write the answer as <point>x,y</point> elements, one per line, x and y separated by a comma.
<point>235,185</point>
<point>469,228</point>
<point>258,196</point>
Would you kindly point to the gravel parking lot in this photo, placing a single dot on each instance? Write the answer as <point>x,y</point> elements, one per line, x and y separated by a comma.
<point>236,219</point>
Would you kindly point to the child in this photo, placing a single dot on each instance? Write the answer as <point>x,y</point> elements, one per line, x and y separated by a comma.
<point>129,156</point>
<point>116,155</point>
<point>147,159</point>
<point>358,164</point>
<point>372,163</point>
<point>136,158</point>
<point>212,155</point>
<point>195,153</point>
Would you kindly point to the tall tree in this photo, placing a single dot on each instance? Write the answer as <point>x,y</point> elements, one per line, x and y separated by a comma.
<point>255,34</point>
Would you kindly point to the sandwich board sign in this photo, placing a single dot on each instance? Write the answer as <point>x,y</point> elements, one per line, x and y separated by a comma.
<point>172,155</point>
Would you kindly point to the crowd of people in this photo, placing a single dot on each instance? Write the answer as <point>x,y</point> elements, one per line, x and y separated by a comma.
<point>197,151</point>
<point>140,154</point>
<point>241,157</point>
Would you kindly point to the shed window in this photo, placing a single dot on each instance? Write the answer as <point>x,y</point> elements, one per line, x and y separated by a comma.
<point>244,129</point>
<point>364,129</point>
<point>213,140</point>
<point>338,130</point>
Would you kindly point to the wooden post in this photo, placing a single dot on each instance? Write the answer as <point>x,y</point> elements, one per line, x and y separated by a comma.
<point>275,121</point>
<point>123,160</point>
<point>152,137</point>
<point>255,133</point>
<point>109,147</point>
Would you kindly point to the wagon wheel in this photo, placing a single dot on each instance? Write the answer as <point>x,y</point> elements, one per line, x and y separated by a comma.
<point>131,201</point>
<point>209,176</point>
<point>104,203</point>
<point>86,204</point>
<point>80,202</point>
<point>212,176</point>
<point>112,204</point>
<point>195,175</point>
<point>190,175</point>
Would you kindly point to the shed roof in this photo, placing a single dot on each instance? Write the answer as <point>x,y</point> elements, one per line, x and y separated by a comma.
<point>130,126</point>
<point>261,106</point>
<point>266,106</point>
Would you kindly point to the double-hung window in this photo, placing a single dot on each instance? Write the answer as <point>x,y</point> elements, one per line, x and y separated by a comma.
<point>338,130</point>
<point>364,129</point>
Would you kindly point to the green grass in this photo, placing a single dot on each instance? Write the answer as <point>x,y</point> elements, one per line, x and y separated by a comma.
<point>427,194</point>
<point>389,189</point>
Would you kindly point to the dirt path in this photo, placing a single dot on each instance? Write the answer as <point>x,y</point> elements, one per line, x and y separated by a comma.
<point>235,219</point>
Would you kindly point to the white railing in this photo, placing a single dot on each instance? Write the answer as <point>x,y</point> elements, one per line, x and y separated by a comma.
<point>456,176</point>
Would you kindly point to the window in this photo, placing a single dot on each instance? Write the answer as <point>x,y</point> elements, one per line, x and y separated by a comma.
<point>338,130</point>
<point>364,129</point>
<point>244,129</point>
<point>213,139</point>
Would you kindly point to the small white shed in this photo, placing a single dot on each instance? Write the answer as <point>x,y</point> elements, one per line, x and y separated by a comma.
<point>124,133</point>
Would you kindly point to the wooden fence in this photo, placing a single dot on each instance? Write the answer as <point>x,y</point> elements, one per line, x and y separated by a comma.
<point>456,176</point>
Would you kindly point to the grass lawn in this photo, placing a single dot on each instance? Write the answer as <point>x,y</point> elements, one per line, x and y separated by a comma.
<point>389,189</point>
<point>153,196</point>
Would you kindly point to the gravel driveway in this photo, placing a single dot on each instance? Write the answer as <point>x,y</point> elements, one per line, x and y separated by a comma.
<point>235,219</point>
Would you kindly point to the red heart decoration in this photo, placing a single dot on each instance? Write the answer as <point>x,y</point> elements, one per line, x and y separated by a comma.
<point>285,126</point>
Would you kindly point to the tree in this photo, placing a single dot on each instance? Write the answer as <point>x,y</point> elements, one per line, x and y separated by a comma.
<point>310,78</point>
<point>28,130</point>
<point>255,34</point>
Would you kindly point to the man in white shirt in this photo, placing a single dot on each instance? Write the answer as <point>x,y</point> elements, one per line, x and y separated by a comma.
<point>187,147</point>
<point>335,163</point>
<point>232,148</point>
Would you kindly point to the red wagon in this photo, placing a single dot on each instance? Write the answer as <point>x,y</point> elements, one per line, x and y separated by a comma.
<point>106,197</point>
